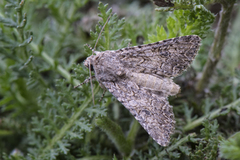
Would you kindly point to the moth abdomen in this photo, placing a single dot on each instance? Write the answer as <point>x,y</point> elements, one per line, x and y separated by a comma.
<point>150,82</point>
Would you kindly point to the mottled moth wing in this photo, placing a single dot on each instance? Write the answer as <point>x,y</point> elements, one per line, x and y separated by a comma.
<point>163,3</point>
<point>139,78</point>
<point>167,58</point>
<point>151,110</point>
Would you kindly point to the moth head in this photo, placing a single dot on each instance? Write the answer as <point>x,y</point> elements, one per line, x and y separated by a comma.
<point>89,63</point>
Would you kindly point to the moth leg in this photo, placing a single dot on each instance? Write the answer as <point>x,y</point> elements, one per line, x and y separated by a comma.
<point>86,81</point>
<point>104,91</point>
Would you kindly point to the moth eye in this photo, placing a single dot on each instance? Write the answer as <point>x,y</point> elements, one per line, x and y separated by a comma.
<point>91,68</point>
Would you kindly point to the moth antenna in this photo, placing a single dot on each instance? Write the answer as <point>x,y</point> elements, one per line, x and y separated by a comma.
<point>89,46</point>
<point>93,52</point>
<point>101,32</point>
<point>129,44</point>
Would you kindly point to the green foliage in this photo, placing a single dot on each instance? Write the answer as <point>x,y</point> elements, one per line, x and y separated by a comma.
<point>208,146</point>
<point>112,30</point>
<point>185,22</point>
<point>62,120</point>
<point>13,47</point>
<point>230,148</point>
<point>42,47</point>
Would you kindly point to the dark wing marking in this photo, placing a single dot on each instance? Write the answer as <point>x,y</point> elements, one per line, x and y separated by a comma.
<point>151,110</point>
<point>163,3</point>
<point>167,58</point>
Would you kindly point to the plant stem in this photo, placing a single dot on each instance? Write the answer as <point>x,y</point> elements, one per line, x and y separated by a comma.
<point>218,44</point>
<point>20,30</point>
<point>132,134</point>
<point>212,115</point>
<point>115,133</point>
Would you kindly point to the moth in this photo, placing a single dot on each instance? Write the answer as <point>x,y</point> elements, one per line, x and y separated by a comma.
<point>140,77</point>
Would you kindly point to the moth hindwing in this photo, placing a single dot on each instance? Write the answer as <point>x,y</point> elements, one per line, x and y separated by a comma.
<point>140,77</point>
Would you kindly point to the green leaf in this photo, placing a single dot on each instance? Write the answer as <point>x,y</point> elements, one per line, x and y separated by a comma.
<point>230,148</point>
<point>185,22</point>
